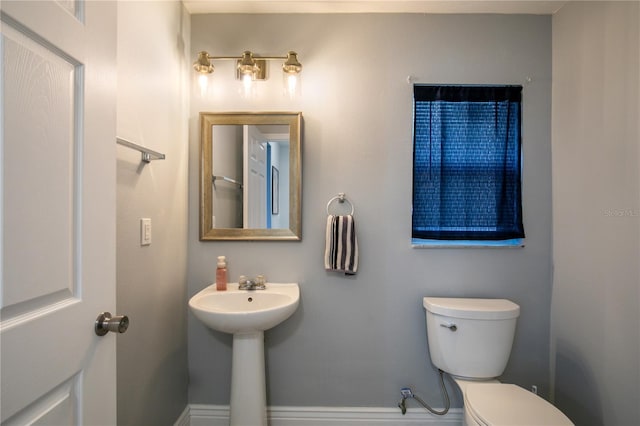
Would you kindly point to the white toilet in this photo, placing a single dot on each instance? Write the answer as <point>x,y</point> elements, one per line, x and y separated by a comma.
<point>471,340</point>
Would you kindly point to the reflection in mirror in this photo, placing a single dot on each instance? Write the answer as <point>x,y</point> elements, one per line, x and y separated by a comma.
<point>248,161</point>
<point>250,176</point>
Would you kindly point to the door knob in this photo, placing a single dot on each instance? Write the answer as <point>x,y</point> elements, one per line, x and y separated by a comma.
<point>106,323</point>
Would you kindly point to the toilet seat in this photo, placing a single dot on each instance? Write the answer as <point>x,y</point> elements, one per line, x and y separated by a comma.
<point>499,404</point>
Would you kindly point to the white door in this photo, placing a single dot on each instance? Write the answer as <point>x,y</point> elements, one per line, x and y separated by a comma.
<point>58,211</point>
<point>255,179</point>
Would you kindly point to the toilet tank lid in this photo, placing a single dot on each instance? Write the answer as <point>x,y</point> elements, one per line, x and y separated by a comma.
<point>471,308</point>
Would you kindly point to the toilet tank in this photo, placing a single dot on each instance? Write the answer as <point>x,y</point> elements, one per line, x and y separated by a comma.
<point>470,338</point>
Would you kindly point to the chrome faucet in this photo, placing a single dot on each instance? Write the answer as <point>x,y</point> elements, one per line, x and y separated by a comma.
<point>258,284</point>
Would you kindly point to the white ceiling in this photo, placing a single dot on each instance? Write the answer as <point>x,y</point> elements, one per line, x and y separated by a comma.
<point>368,6</point>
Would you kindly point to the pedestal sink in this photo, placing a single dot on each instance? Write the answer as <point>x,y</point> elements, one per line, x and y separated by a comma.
<point>246,314</point>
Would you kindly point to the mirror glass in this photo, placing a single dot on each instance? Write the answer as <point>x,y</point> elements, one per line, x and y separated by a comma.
<point>250,176</point>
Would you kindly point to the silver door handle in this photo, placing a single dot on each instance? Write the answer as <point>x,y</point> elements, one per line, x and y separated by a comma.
<point>106,323</point>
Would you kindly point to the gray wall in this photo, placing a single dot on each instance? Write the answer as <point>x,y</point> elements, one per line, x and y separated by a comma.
<point>356,340</point>
<point>596,212</point>
<point>151,280</point>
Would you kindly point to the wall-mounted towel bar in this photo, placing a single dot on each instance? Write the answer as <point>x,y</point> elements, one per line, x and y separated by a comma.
<point>226,179</point>
<point>147,154</point>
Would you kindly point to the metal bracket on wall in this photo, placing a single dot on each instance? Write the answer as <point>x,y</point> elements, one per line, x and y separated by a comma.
<point>214,178</point>
<point>147,154</point>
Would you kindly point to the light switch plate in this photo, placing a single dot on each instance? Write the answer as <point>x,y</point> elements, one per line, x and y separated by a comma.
<point>145,231</point>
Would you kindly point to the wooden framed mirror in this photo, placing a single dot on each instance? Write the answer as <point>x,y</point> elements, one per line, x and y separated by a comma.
<point>250,176</point>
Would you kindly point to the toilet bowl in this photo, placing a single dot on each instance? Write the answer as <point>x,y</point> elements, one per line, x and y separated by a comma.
<point>471,340</point>
<point>491,403</point>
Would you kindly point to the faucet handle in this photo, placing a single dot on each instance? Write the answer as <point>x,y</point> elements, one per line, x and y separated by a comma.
<point>261,280</point>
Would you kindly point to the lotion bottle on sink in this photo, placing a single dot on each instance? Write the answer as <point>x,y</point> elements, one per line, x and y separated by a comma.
<point>221,274</point>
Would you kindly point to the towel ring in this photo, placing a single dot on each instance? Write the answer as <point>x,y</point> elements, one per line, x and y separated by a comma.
<point>341,198</point>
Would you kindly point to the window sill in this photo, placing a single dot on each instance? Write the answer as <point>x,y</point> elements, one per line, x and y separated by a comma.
<point>418,243</point>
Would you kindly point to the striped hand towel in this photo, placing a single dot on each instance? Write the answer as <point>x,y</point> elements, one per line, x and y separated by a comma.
<point>341,251</point>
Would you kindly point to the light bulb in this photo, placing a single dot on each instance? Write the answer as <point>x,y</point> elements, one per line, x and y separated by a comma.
<point>203,82</point>
<point>247,85</point>
<point>291,85</point>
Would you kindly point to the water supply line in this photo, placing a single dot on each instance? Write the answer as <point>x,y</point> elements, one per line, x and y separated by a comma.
<point>407,393</point>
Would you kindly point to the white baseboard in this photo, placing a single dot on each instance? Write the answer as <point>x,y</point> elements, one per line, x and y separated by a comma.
<point>218,415</point>
<point>184,419</point>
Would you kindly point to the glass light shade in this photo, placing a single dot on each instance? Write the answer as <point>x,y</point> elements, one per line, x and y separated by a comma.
<point>291,70</point>
<point>247,88</point>
<point>203,83</point>
<point>291,84</point>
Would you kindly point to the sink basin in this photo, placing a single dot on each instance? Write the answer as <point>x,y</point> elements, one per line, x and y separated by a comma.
<point>244,311</point>
<point>246,314</point>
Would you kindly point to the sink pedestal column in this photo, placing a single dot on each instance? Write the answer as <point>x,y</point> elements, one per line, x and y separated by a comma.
<point>248,385</point>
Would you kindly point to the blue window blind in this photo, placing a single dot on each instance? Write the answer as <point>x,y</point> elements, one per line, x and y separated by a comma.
<point>467,163</point>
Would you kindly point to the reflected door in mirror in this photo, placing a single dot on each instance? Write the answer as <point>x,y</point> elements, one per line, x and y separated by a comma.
<point>244,159</point>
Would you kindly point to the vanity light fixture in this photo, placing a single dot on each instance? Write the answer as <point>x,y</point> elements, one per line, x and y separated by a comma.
<point>250,69</point>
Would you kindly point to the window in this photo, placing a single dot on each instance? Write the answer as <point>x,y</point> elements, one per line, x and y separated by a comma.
<point>467,163</point>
